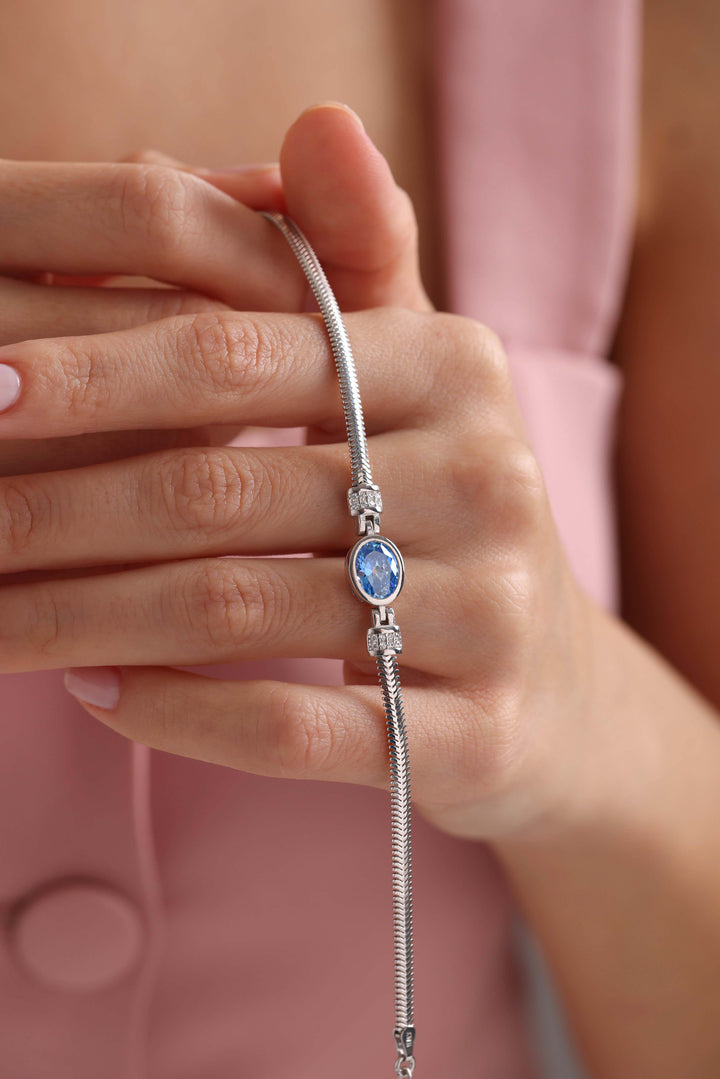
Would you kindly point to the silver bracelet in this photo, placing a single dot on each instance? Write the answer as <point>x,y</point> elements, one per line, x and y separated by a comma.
<point>375,571</point>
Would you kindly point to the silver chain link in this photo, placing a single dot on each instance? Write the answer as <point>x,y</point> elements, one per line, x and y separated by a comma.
<point>384,641</point>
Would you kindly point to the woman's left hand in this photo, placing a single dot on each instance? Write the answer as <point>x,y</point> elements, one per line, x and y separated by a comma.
<point>494,628</point>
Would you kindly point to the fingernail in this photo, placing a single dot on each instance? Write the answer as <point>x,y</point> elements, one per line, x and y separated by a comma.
<point>336,105</point>
<point>99,686</point>
<point>9,386</point>
<point>240,170</point>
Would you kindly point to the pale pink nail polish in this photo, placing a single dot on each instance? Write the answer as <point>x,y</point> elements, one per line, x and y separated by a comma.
<point>10,385</point>
<point>94,685</point>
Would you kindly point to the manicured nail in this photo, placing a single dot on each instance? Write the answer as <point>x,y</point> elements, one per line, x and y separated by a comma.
<point>94,685</point>
<point>9,386</point>
<point>240,170</point>
<point>336,105</point>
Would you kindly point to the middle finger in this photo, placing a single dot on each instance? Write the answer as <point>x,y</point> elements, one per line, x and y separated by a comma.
<point>227,367</point>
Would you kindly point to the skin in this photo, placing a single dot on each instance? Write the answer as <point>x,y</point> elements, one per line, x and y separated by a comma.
<point>667,346</point>
<point>540,723</point>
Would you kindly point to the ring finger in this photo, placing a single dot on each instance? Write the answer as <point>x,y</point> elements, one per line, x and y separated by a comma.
<point>209,501</point>
<point>225,610</point>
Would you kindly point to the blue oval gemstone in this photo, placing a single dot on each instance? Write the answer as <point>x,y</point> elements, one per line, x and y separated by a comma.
<point>377,569</point>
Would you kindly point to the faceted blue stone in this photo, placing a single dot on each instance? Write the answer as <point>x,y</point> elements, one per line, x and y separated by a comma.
<point>377,569</point>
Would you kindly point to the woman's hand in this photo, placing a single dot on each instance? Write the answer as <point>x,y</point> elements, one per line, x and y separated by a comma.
<point>494,628</point>
<point>66,228</point>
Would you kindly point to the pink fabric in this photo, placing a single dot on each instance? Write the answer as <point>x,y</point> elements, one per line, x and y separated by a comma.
<point>263,905</point>
<point>537,110</point>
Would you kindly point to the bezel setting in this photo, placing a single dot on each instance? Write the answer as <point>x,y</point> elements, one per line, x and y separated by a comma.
<point>354,577</point>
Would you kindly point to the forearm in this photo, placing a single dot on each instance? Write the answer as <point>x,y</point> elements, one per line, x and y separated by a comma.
<point>624,898</point>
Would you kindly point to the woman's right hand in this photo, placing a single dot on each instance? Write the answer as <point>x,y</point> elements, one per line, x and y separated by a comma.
<point>75,225</point>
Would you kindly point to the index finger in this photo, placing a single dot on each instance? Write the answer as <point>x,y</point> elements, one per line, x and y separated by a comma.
<point>147,220</point>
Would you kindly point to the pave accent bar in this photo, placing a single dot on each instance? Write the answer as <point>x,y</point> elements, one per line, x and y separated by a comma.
<point>364,498</point>
<point>384,640</point>
<point>365,503</point>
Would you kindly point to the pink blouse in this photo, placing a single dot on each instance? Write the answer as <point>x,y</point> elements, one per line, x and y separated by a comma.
<point>170,919</point>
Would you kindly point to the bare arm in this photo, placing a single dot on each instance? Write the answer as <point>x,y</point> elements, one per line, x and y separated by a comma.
<point>669,348</point>
<point>626,901</point>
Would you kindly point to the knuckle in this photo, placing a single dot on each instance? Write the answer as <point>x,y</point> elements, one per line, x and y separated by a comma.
<point>492,350</point>
<point>497,605</point>
<point>218,606</point>
<point>214,343</point>
<point>301,738</point>
<point>159,204</point>
<point>228,606</point>
<point>496,481</point>
<point>228,350</point>
<point>26,516</point>
<point>77,375</point>
<point>467,471</point>
<point>44,622</point>
<point>205,491</point>
<point>485,356</point>
<point>476,358</point>
<point>521,494</point>
<point>421,337</point>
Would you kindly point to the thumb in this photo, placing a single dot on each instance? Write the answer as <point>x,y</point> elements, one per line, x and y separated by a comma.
<point>340,190</point>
